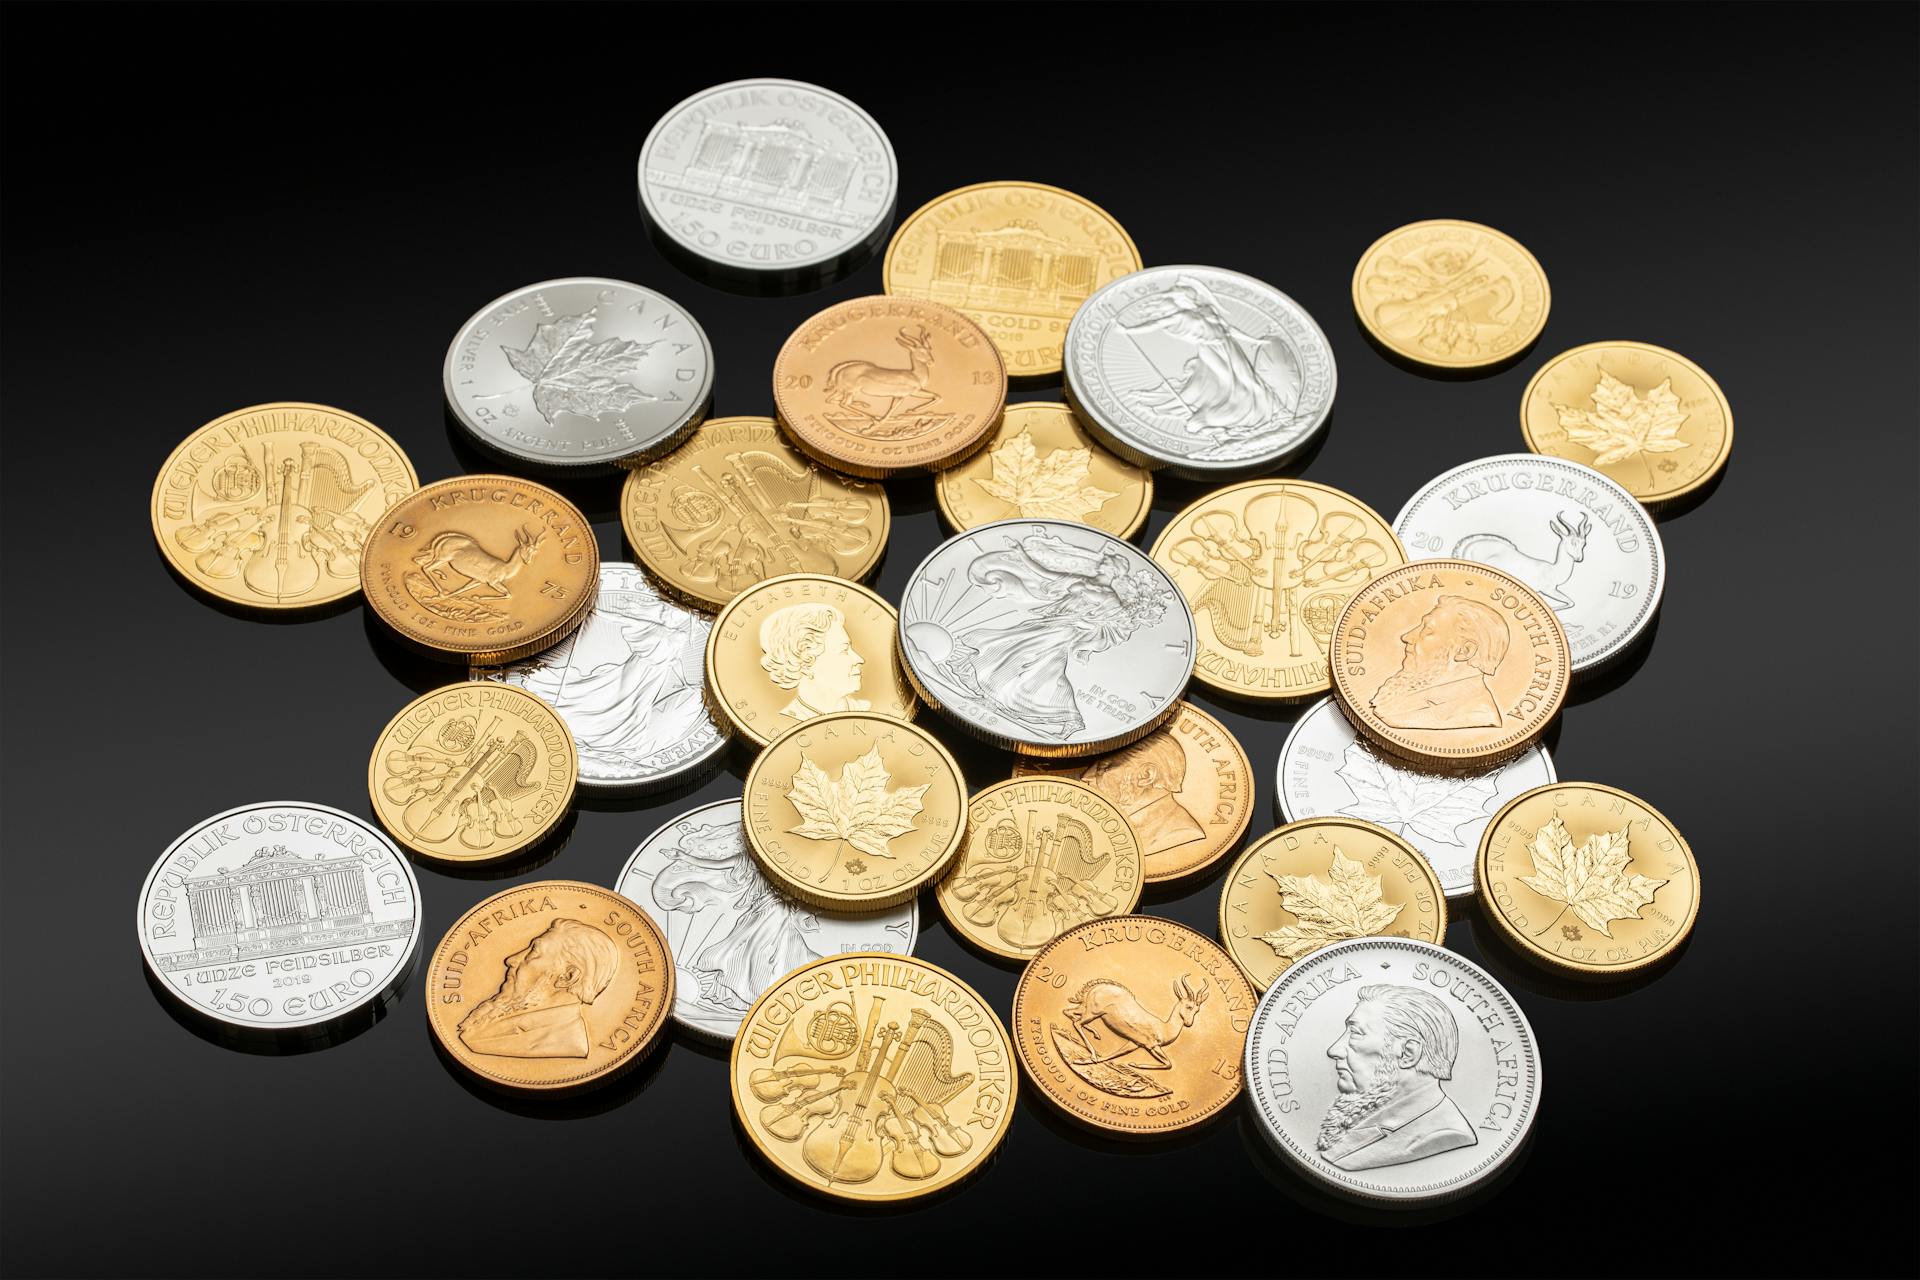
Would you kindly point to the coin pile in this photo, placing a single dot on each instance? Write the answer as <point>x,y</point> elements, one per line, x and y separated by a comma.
<point>1440,647</point>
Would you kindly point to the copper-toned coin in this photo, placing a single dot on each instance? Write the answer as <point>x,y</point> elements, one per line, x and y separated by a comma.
<point>1041,464</point>
<point>875,386</point>
<point>1451,293</point>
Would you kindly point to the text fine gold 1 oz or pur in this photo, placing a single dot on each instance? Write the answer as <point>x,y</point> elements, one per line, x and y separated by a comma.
<point>1451,294</point>
<point>1041,464</point>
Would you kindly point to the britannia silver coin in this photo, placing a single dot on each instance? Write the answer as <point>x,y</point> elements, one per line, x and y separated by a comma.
<point>1392,1071</point>
<point>580,373</point>
<point>1046,636</point>
<point>1208,373</point>
<point>280,917</point>
<point>1327,770</point>
<point>630,684</point>
<point>1578,539</point>
<point>731,932</point>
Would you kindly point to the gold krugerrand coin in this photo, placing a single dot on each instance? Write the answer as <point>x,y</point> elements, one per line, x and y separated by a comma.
<point>1042,855</point>
<point>1647,418</point>
<point>1587,879</point>
<point>482,569</point>
<point>1451,294</point>
<point>1041,464</point>
<point>473,772</point>
<point>270,506</point>
<point>1267,566</point>
<point>550,988</point>
<point>876,386</point>
<point>873,1077</point>
<point>1135,1026</point>
<point>1016,257</point>
<point>736,504</point>
<point>1187,788</point>
<point>1449,664</point>
<point>1313,883</point>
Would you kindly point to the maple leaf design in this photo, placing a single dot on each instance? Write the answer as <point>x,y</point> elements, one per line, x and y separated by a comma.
<point>858,808</point>
<point>571,373</point>
<point>1048,487</point>
<point>1346,906</point>
<point>1429,805</point>
<point>1622,425</point>
<point>1590,881</point>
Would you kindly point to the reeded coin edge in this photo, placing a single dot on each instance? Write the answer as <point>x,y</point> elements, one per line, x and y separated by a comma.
<point>1518,350</point>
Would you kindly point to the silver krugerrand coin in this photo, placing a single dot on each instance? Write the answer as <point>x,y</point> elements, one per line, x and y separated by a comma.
<point>1578,539</point>
<point>731,932</point>
<point>1207,373</point>
<point>580,372</point>
<point>1392,1071</point>
<point>1327,770</point>
<point>630,685</point>
<point>280,917</point>
<point>1046,636</point>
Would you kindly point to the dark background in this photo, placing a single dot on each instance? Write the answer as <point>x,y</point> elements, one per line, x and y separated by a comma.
<point>210,210</point>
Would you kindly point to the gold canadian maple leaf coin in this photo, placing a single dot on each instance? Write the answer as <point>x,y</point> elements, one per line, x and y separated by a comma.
<point>1041,464</point>
<point>1451,294</point>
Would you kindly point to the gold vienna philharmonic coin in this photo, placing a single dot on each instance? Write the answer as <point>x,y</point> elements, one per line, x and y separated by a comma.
<point>482,569</point>
<point>1041,464</point>
<point>270,506</point>
<point>736,504</point>
<point>550,988</point>
<point>855,811</point>
<point>873,1077</point>
<point>1451,294</point>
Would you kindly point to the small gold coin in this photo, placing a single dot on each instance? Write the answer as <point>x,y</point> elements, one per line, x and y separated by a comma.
<point>1587,879</point>
<point>1187,788</point>
<point>482,569</point>
<point>1267,566</point>
<point>855,811</point>
<point>550,988</point>
<point>1647,418</point>
<point>1135,1026</point>
<point>736,504</point>
<point>801,646</point>
<point>1017,257</point>
<point>1313,883</point>
<point>1452,294</point>
<point>873,1077</point>
<point>1042,855</point>
<point>1041,464</point>
<point>1449,664</point>
<point>877,386</point>
<point>473,772</point>
<point>269,506</point>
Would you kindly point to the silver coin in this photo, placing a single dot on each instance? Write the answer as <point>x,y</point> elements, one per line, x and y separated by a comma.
<point>769,176</point>
<point>630,684</point>
<point>732,934</point>
<point>280,917</point>
<point>1208,373</point>
<point>1326,770</point>
<point>1578,539</point>
<point>1392,1071</point>
<point>1046,636</point>
<point>580,372</point>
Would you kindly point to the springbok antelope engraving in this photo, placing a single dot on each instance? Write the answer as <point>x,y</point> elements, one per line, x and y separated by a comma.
<point>1544,576</point>
<point>854,384</point>
<point>476,564</point>
<point>1111,1003</point>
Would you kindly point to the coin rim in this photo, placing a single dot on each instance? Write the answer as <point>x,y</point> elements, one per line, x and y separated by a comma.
<point>1519,350</point>
<point>1134,524</point>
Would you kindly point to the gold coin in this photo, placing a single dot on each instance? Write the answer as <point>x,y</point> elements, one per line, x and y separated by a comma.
<point>1017,257</point>
<point>876,386</point>
<point>1042,855</point>
<point>855,811</point>
<point>473,772</point>
<point>1449,664</point>
<point>1647,418</point>
<point>482,569</point>
<point>1187,788</point>
<point>874,1077</point>
<point>1041,464</point>
<point>1135,1026</point>
<point>550,988</point>
<point>1452,294</point>
<point>1587,879</point>
<point>1267,566</point>
<point>736,504</point>
<point>1313,883</point>
<point>270,506</point>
